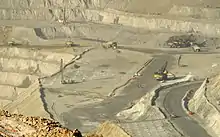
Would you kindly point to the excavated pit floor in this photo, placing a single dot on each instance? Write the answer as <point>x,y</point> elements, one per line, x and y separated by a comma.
<point>99,71</point>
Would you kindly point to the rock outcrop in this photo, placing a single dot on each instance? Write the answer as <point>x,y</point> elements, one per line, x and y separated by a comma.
<point>206,104</point>
<point>17,125</point>
<point>109,129</point>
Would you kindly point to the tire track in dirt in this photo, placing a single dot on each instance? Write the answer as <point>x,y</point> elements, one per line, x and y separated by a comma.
<point>129,80</point>
<point>42,94</point>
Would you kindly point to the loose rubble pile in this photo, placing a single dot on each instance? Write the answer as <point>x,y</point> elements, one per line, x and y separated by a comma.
<point>16,125</point>
<point>110,44</point>
<point>183,41</point>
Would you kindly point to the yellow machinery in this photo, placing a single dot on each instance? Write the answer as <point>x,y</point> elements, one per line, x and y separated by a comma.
<point>110,44</point>
<point>162,74</point>
<point>69,43</point>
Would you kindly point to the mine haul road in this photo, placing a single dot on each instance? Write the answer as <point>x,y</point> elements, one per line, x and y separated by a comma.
<point>134,91</point>
<point>171,99</point>
<point>111,106</point>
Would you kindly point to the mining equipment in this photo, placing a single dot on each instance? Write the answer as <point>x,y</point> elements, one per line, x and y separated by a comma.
<point>162,74</point>
<point>196,48</point>
<point>70,44</point>
<point>110,44</point>
<point>182,41</point>
<point>12,43</point>
<point>65,81</point>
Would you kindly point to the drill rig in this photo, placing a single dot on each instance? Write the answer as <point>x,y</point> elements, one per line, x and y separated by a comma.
<point>162,74</point>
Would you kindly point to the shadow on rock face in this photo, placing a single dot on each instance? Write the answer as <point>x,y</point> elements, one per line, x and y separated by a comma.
<point>25,83</point>
<point>39,33</point>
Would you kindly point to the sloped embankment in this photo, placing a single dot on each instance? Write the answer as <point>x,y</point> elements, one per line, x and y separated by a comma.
<point>20,68</point>
<point>109,129</point>
<point>205,104</point>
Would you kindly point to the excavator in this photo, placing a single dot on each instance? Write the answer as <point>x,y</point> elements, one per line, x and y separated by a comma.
<point>162,74</point>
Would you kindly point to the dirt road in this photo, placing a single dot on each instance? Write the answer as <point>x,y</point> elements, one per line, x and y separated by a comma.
<point>110,107</point>
<point>172,102</point>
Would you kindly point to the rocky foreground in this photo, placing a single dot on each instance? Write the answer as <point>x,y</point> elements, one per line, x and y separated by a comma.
<point>16,125</point>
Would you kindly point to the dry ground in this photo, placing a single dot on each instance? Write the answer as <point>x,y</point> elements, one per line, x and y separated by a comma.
<point>100,71</point>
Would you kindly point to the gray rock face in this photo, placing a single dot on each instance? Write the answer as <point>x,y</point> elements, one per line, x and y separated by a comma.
<point>203,103</point>
<point>43,9</point>
<point>48,3</point>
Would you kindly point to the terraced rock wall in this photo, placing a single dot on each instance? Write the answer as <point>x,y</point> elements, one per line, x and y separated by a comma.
<point>174,18</point>
<point>195,12</point>
<point>19,70</point>
<point>35,36</point>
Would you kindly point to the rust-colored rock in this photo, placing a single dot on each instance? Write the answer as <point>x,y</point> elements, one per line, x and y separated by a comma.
<point>40,127</point>
<point>17,125</point>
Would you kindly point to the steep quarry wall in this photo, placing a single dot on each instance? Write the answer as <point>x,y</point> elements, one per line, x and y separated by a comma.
<point>51,3</point>
<point>166,16</point>
<point>28,99</point>
<point>195,12</point>
<point>148,23</point>
<point>137,6</point>
<point>26,35</point>
<point>5,32</point>
<point>41,35</point>
<point>205,104</point>
<point>19,70</point>
<point>157,23</point>
<point>52,9</point>
<point>44,9</point>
